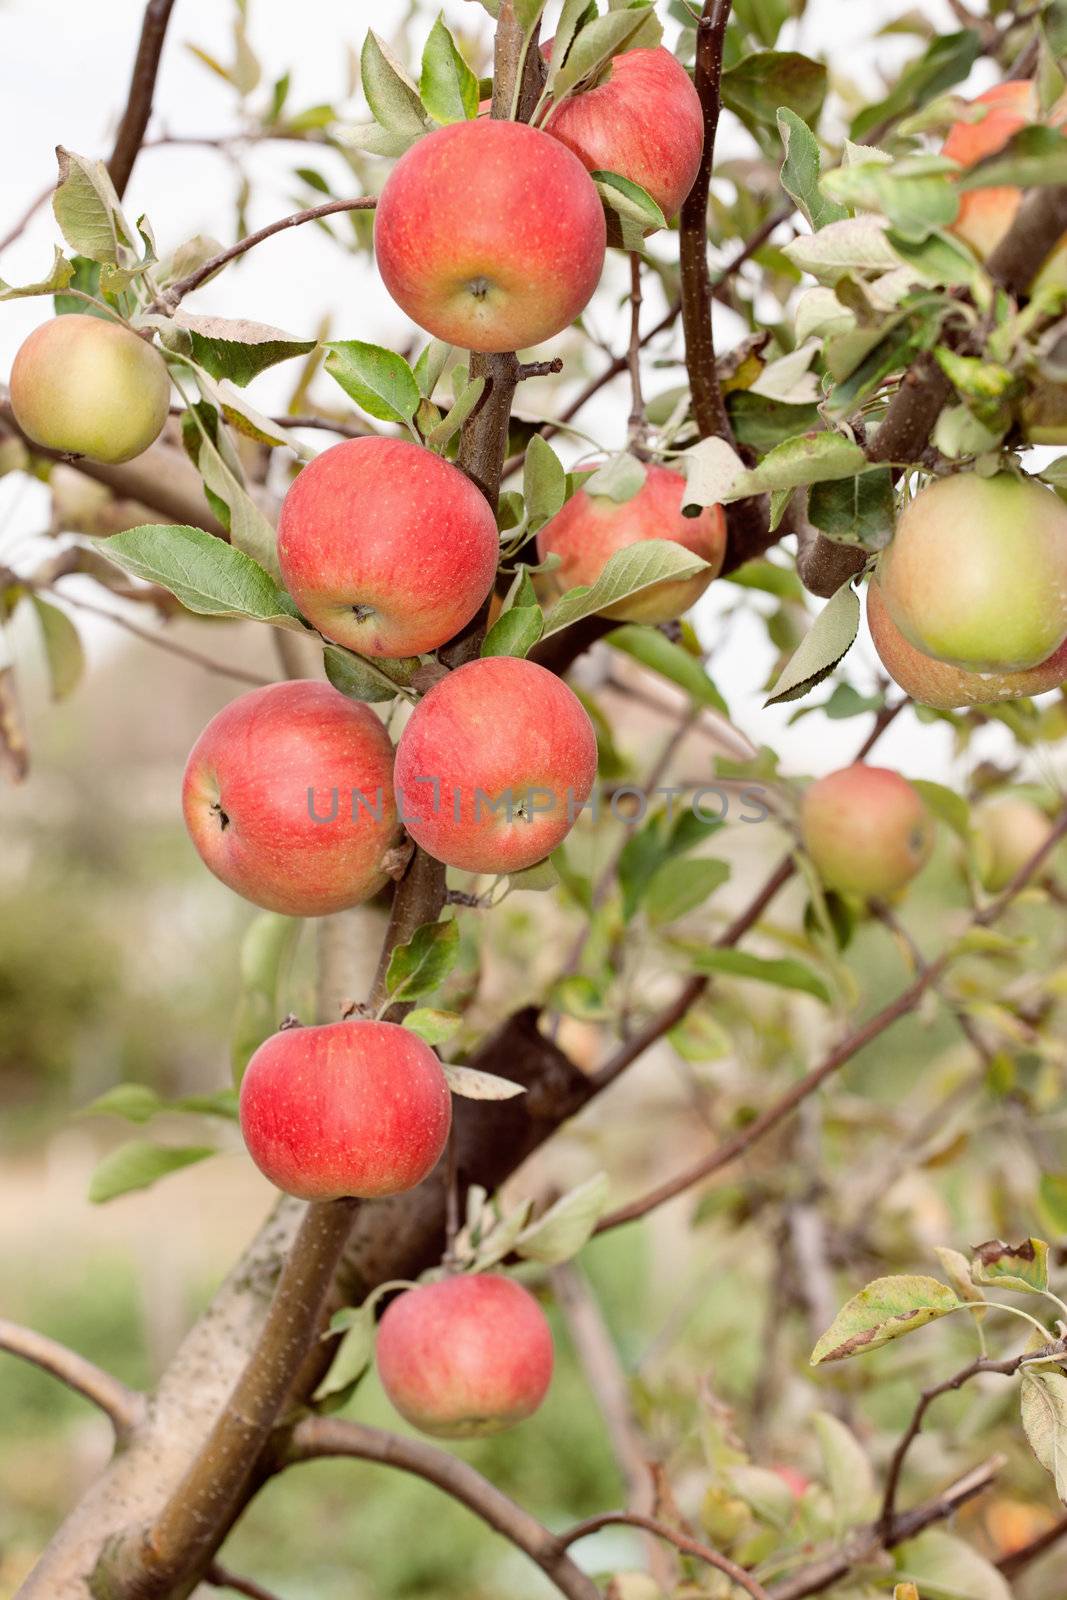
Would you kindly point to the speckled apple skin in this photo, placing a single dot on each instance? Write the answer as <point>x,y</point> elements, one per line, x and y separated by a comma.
<point>358,1109</point>
<point>589,529</point>
<point>467,1356</point>
<point>866,830</point>
<point>253,765</point>
<point>392,529</point>
<point>496,724</point>
<point>490,234</point>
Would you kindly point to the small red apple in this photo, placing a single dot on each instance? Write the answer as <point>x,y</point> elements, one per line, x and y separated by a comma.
<point>590,528</point>
<point>90,387</point>
<point>385,547</point>
<point>352,1108</point>
<point>494,765</point>
<point>866,830</point>
<point>288,797</point>
<point>643,122</point>
<point>490,235</point>
<point>465,1356</point>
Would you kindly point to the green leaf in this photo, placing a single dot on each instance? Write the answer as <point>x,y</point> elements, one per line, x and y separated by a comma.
<point>1052,1200</point>
<point>1023,1267</point>
<point>354,1353</point>
<point>475,1085</point>
<point>629,571</point>
<point>515,632</point>
<point>917,194</point>
<point>136,1102</point>
<point>858,511</point>
<point>231,347</point>
<point>544,483</point>
<point>672,661</point>
<point>87,208</point>
<point>378,380</point>
<point>946,1568</point>
<point>712,467</point>
<point>826,642</point>
<point>447,87</point>
<point>1031,157</point>
<point>568,1225</point>
<point>947,61</point>
<point>1044,1412</point>
<point>886,1309</point>
<point>538,879</point>
<point>361,679</point>
<point>60,276</point>
<point>858,244</point>
<point>847,1471</point>
<point>679,886</point>
<point>390,93</point>
<point>436,1027</point>
<point>597,42</point>
<point>758,86</point>
<point>267,952</point>
<point>632,203</point>
<point>951,808</point>
<point>207,575</point>
<point>432,361</point>
<point>663,837</point>
<point>250,530</point>
<point>422,965</point>
<point>800,170</point>
<point>782,973</point>
<point>456,415</point>
<point>62,647</point>
<point>763,423</point>
<point>619,479</point>
<point>957,1270</point>
<point>809,458</point>
<point>138,1165</point>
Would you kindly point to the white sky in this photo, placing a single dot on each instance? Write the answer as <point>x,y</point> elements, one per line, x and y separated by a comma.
<point>65,68</point>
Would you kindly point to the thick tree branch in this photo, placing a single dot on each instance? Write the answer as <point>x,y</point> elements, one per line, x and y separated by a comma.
<point>904,1003</point>
<point>681,1541</point>
<point>124,1406</point>
<point>131,131</point>
<point>317,1437</point>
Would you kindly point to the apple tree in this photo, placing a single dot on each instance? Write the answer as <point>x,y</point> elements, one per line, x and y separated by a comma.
<point>483,615</point>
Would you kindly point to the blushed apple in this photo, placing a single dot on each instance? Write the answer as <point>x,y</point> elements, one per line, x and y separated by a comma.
<point>590,528</point>
<point>355,1108</point>
<point>976,573</point>
<point>385,547</point>
<point>936,683</point>
<point>89,387</point>
<point>1008,831</point>
<point>866,830</point>
<point>466,1356</point>
<point>490,235</point>
<point>494,765</point>
<point>643,121</point>
<point>288,797</point>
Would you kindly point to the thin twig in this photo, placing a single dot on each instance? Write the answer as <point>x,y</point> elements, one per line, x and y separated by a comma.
<point>638,427</point>
<point>681,1541</point>
<point>27,216</point>
<point>1017,1560</point>
<point>317,1437</point>
<point>171,298</point>
<point>134,122</point>
<point>124,1406</point>
<point>222,1578</point>
<point>161,642</point>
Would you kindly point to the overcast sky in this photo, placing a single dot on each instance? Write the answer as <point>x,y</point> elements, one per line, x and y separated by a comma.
<point>65,68</point>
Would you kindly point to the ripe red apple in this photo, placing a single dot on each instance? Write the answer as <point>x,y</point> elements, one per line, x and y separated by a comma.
<point>643,122</point>
<point>936,683</point>
<point>494,765</point>
<point>976,573</point>
<point>89,387</point>
<point>985,215</point>
<point>866,830</point>
<point>466,1356</point>
<point>1008,831</point>
<point>271,763</point>
<point>590,528</point>
<point>385,547</point>
<point>353,1108</point>
<point>490,234</point>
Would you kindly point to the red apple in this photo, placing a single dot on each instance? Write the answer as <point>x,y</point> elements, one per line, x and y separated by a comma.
<point>985,215</point>
<point>385,547</point>
<point>643,122</point>
<point>866,830</point>
<point>288,798</point>
<point>494,765</point>
<point>352,1108</point>
<point>465,1356</point>
<point>490,235</point>
<point>936,683</point>
<point>976,573</point>
<point>590,528</point>
<point>90,387</point>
